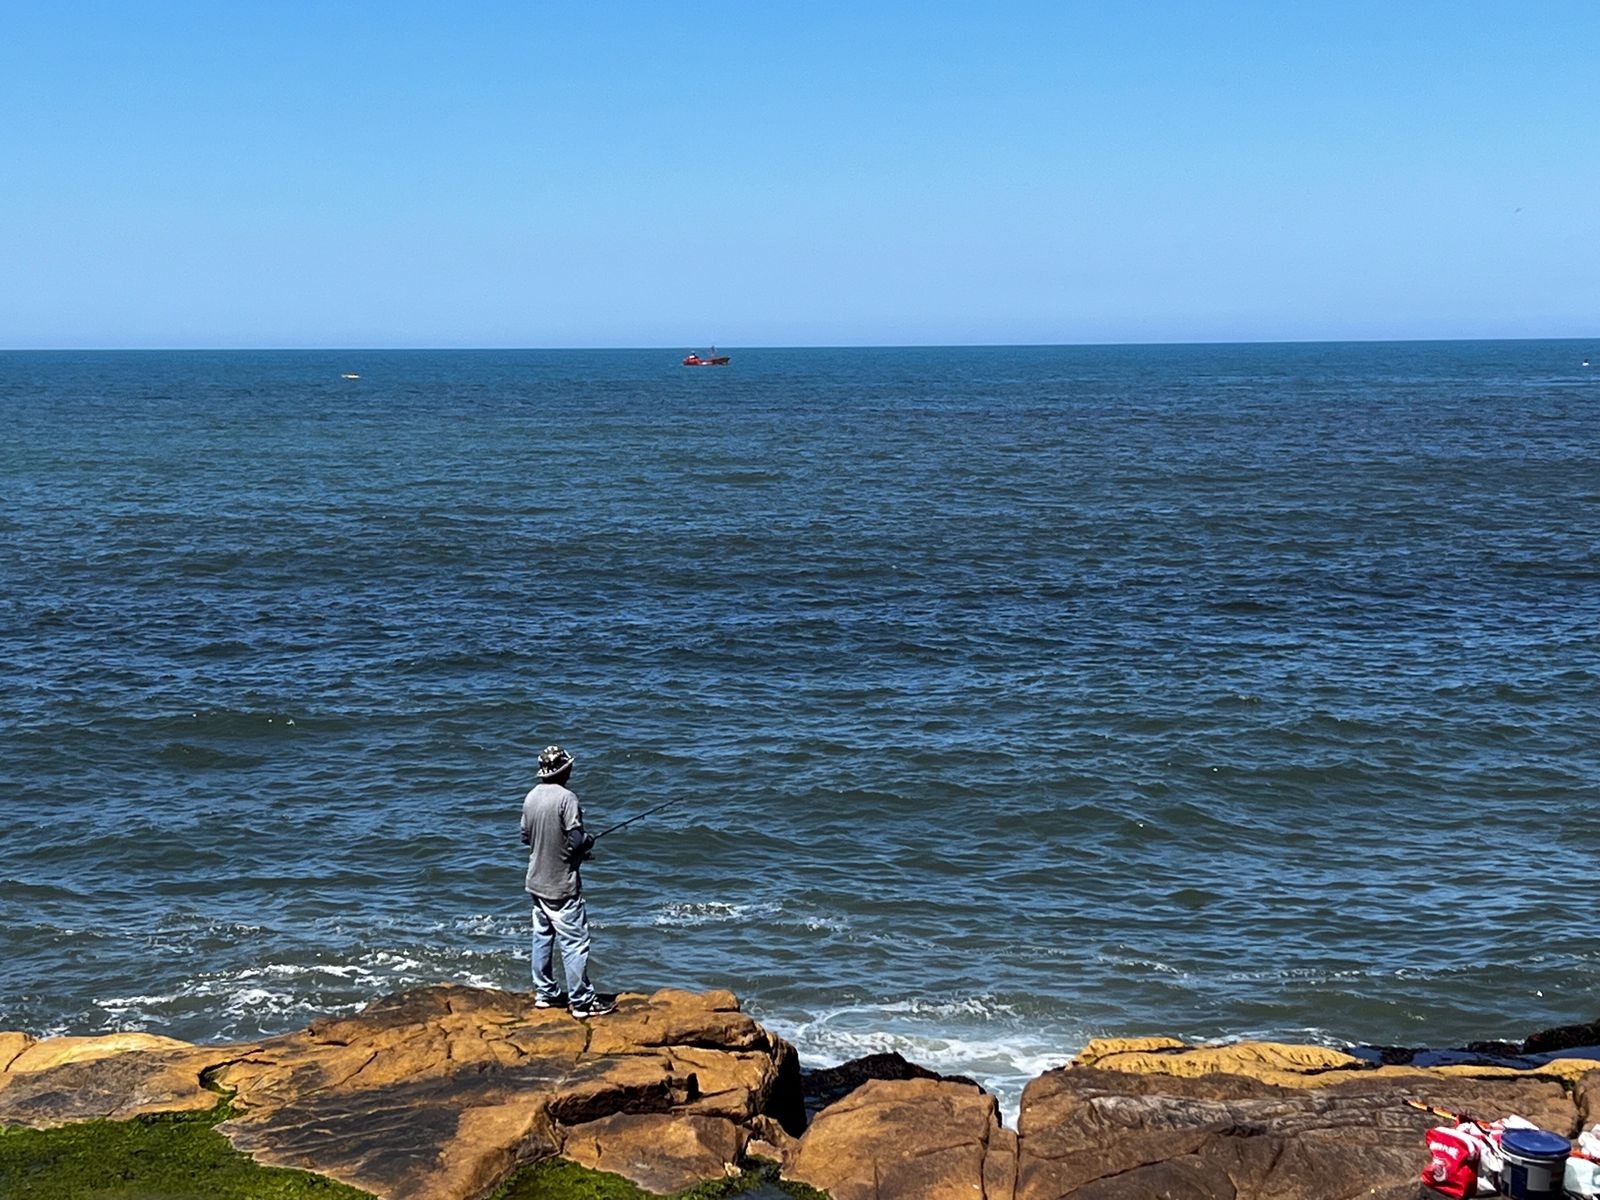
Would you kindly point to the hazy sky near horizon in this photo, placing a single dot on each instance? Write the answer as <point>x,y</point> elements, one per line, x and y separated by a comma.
<point>768,173</point>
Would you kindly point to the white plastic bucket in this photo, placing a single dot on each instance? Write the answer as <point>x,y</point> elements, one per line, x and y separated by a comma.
<point>1535,1164</point>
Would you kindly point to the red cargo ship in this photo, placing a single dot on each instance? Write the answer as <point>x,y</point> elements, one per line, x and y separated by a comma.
<point>712,359</point>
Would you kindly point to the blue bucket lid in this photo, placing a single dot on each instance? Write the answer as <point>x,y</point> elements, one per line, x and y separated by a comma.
<point>1536,1143</point>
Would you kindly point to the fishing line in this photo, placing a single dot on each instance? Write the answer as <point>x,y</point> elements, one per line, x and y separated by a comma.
<point>641,816</point>
<point>649,812</point>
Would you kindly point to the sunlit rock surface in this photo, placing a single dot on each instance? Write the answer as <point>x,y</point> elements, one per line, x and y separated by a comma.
<point>442,1093</point>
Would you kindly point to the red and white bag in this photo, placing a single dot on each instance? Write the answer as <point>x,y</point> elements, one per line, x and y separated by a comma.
<point>1476,1144</point>
<point>1452,1168</point>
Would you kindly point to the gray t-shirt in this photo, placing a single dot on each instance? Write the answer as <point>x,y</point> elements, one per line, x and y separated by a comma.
<point>547,813</point>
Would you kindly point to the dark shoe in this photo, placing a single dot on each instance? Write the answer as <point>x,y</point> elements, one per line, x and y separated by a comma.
<point>598,1007</point>
<point>558,1001</point>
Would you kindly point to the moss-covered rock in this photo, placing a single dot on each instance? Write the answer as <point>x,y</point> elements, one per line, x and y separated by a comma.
<point>439,1093</point>
<point>183,1157</point>
<point>166,1157</point>
<point>559,1179</point>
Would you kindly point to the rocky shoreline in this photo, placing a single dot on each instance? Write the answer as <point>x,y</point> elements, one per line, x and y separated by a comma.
<point>447,1093</point>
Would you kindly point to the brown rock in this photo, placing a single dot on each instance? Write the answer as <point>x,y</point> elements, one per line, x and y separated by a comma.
<point>1586,1094</point>
<point>79,1082</point>
<point>660,1152</point>
<point>915,1139</point>
<point>1568,1069</point>
<point>427,1139</point>
<point>1085,1132</point>
<point>719,1083</point>
<point>435,1094</point>
<point>1289,1065</point>
<point>441,1135</point>
<point>1300,1066</point>
<point>438,1093</point>
<point>1000,1166</point>
<point>673,1018</point>
<point>823,1086</point>
<point>1100,1048</point>
<point>11,1045</point>
<point>770,1140</point>
<point>1563,1037</point>
<point>55,1052</point>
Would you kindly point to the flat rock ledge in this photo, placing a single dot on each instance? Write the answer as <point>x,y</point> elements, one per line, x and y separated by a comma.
<point>439,1094</point>
<point>442,1093</point>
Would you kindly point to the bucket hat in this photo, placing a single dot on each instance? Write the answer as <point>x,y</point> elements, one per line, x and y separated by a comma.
<point>552,761</point>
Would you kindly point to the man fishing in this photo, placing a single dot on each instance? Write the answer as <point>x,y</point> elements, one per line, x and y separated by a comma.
<point>552,829</point>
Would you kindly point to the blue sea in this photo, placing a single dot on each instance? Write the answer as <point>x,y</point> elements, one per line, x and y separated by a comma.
<point>1006,696</point>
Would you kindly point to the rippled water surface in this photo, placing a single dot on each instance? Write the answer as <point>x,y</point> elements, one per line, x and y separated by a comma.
<point>1011,696</point>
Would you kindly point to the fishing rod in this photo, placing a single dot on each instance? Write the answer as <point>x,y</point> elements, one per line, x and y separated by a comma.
<point>1457,1118</point>
<point>641,816</point>
<point>624,824</point>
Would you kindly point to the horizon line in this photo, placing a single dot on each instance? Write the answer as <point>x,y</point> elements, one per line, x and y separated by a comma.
<point>674,347</point>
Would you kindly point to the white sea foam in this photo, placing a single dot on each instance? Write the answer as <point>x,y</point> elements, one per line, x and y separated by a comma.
<point>826,924</point>
<point>976,1036</point>
<point>709,912</point>
<point>1139,963</point>
<point>118,1004</point>
<point>491,924</point>
<point>973,1006</point>
<point>277,995</point>
<point>297,969</point>
<point>715,912</point>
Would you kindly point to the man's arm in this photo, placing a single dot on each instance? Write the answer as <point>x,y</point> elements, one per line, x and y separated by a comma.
<point>527,829</point>
<point>579,843</point>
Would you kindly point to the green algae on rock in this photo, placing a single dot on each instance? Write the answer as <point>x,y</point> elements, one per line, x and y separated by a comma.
<point>163,1157</point>
<point>442,1092</point>
<point>560,1179</point>
<point>181,1156</point>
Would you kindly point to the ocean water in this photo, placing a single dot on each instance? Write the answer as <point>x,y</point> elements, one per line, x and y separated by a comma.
<point>1008,696</point>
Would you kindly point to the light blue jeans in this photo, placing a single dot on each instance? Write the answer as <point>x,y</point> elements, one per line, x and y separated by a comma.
<point>566,922</point>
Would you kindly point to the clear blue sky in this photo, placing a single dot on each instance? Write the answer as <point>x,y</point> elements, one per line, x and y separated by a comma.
<point>791,173</point>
